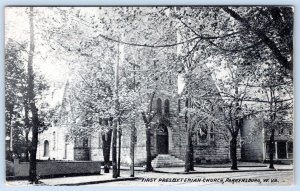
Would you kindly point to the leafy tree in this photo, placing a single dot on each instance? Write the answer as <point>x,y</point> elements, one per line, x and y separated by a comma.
<point>14,83</point>
<point>273,26</point>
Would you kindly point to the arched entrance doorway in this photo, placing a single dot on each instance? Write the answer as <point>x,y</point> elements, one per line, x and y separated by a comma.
<point>162,139</point>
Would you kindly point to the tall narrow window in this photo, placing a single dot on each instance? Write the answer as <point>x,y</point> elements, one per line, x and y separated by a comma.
<point>167,107</point>
<point>85,143</point>
<point>186,102</point>
<point>212,132</point>
<point>159,106</point>
<point>178,106</point>
<point>46,148</point>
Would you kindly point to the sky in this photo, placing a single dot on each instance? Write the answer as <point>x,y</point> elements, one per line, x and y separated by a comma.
<point>17,29</point>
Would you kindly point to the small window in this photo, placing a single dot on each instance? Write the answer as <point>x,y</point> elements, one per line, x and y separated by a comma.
<point>290,132</point>
<point>159,106</point>
<point>167,107</point>
<point>46,148</point>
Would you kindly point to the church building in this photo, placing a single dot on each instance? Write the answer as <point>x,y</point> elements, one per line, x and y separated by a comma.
<point>168,134</point>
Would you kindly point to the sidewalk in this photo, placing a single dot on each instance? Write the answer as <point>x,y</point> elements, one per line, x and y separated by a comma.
<point>75,180</point>
<point>204,170</point>
<point>104,178</point>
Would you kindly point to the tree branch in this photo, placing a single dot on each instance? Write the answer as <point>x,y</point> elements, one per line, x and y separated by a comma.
<point>261,34</point>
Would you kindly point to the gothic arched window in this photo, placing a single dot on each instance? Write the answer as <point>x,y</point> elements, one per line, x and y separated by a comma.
<point>46,148</point>
<point>85,143</point>
<point>212,132</point>
<point>159,106</point>
<point>167,107</point>
<point>203,132</point>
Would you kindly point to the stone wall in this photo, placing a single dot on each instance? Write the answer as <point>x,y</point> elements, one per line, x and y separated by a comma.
<point>52,168</point>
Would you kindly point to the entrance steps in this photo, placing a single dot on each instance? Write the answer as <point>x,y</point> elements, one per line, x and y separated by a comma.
<point>166,160</point>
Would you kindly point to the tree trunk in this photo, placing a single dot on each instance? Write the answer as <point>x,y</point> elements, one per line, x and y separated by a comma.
<point>116,119</point>
<point>27,128</point>
<point>106,139</point>
<point>32,170</point>
<point>10,153</point>
<point>114,149</point>
<point>119,152</point>
<point>189,155</point>
<point>272,148</point>
<point>148,150</point>
<point>132,144</point>
<point>31,98</point>
<point>233,152</point>
<point>27,146</point>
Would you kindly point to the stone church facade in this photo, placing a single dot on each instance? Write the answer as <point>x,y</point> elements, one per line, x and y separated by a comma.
<point>168,134</point>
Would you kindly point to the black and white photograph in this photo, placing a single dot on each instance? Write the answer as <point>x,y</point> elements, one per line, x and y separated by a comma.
<point>149,95</point>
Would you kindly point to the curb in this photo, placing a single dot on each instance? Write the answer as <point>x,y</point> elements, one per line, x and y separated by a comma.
<point>97,182</point>
<point>225,171</point>
<point>230,166</point>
